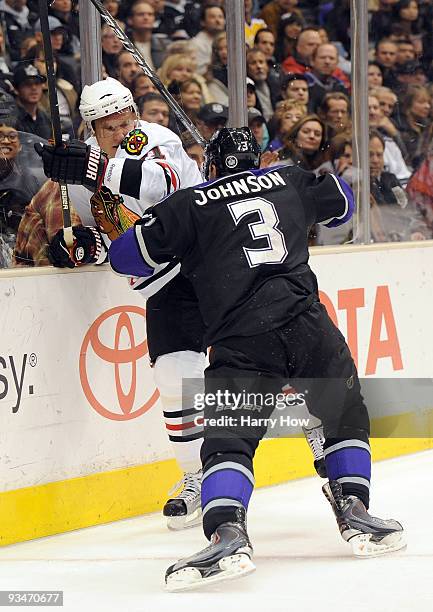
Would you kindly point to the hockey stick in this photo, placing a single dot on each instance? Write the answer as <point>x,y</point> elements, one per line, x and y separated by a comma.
<point>129,46</point>
<point>55,116</point>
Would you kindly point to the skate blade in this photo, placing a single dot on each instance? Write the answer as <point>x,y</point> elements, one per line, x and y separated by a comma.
<point>363,547</point>
<point>177,523</point>
<point>189,578</point>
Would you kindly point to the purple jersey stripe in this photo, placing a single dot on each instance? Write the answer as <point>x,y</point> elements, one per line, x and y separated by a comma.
<point>348,462</point>
<point>347,193</point>
<point>126,258</point>
<point>226,483</point>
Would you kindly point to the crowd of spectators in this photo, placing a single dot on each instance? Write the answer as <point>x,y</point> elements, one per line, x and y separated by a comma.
<point>298,59</point>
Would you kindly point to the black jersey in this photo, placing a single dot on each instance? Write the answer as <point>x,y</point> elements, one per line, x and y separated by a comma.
<point>242,242</point>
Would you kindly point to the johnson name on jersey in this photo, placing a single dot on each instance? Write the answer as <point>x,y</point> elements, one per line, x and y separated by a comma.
<point>242,242</point>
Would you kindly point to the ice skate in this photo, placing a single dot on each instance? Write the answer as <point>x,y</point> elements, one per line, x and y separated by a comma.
<point>184,510</point>
<point>316,440</point>
<point>227,557</point>
<point>368,536</point>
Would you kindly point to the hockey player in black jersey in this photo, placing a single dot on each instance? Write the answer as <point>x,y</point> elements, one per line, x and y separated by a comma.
<point>242,241</point>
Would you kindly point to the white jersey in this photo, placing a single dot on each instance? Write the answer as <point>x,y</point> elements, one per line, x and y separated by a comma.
<point>130,188</point>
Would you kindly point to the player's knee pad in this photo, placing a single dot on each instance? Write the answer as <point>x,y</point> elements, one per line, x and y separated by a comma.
<point>170,369</point>
<point>215,450</point>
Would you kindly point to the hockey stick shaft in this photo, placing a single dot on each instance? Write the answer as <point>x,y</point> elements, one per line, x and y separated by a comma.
<point>55,115</point>
<point>129,46</point>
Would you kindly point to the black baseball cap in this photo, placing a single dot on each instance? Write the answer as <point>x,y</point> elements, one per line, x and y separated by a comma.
<point>213,113</point>
<point>27,72</point>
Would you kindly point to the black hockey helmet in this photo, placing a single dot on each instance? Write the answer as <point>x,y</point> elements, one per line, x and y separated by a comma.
<point>232,150</point>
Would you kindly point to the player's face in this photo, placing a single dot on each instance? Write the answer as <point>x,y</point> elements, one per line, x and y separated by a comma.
<point>9,142</point>
<point>111,130</point>
<point>375,78</point>
<point>309,136</point>
<point>156,112</point>
<point>297,90</point>
<point>376,157</point>
<point>191,97</point>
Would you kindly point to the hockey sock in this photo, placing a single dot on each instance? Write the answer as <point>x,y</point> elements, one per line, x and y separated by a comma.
<point>227,484</point>
<point>349,462</point>
<point>183,421</point>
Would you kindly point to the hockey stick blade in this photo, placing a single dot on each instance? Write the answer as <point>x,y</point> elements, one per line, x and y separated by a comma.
<point>129,46</point>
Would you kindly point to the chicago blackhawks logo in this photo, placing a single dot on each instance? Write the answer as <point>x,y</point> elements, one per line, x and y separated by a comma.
<point>135,142</point>
<point>110,213</point>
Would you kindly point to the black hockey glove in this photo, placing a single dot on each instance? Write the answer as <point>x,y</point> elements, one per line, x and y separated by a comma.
<point>74,163</point>
<point>87,248</point>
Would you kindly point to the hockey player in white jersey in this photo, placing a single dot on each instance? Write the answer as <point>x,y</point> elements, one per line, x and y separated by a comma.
<point>174,324</point>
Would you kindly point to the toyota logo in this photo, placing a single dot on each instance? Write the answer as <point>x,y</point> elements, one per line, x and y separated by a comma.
<point>109,359</point>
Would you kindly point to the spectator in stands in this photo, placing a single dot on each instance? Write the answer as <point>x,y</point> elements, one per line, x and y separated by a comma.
<point>216,76</point>
<point>28,83</point>
<point>252,24</point>
<point>305,144</point>
<point>393,156</point>
<point>320,80</point>
<point>19,181</point>
<point>127,68</point>
<point>375,76</point>
<point>252,101</point>
<point>112,7</point>
<point>4,59</point>
<point>176,67</point>
<point>273,12</point>
<point>406,18</point>
<point>153,108</point>
<point>265,41</point>
<point>257,124</point>
<point>212,22</point>
<point>67,67</point>
<point>188,94</point>
<point>415,123</point>
<point>266,88</point>
<point>14,14</point>
<point>295,87</point>
<point>111,47</point>
<point>405,51</point>
<point>141,21</point>
<point>337,23</point>
<point>300,61</point>
<point>394,219</point>
<point>289,29</point>
<point>335,114</point>
<point>193,149</point>
<point>142,85</point>
<point>410,73</point>
<point>340,158</point>
<point>212,117</point>
<point>381,20</point>
<point>287,113</point>
<point>386,57</point>
<point>66,13</point>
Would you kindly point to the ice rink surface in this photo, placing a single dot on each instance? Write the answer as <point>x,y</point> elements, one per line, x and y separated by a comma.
<point>302,562</point>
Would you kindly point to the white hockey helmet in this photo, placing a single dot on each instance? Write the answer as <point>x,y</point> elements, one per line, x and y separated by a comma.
<point>104,98</point>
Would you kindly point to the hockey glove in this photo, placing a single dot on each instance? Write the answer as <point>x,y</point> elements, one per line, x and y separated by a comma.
<point>74,163</point>
<point>87,248</point>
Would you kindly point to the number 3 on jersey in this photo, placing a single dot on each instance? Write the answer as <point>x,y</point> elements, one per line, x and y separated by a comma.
<point>266,227</point>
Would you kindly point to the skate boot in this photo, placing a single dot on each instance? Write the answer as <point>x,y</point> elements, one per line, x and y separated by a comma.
<point>316,440</point>
<point>184,510</point>
<point>227,557</point>
<point>368,536</point>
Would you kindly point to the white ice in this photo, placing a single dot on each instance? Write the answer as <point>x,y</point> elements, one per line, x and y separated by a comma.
<point>302,563</point>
